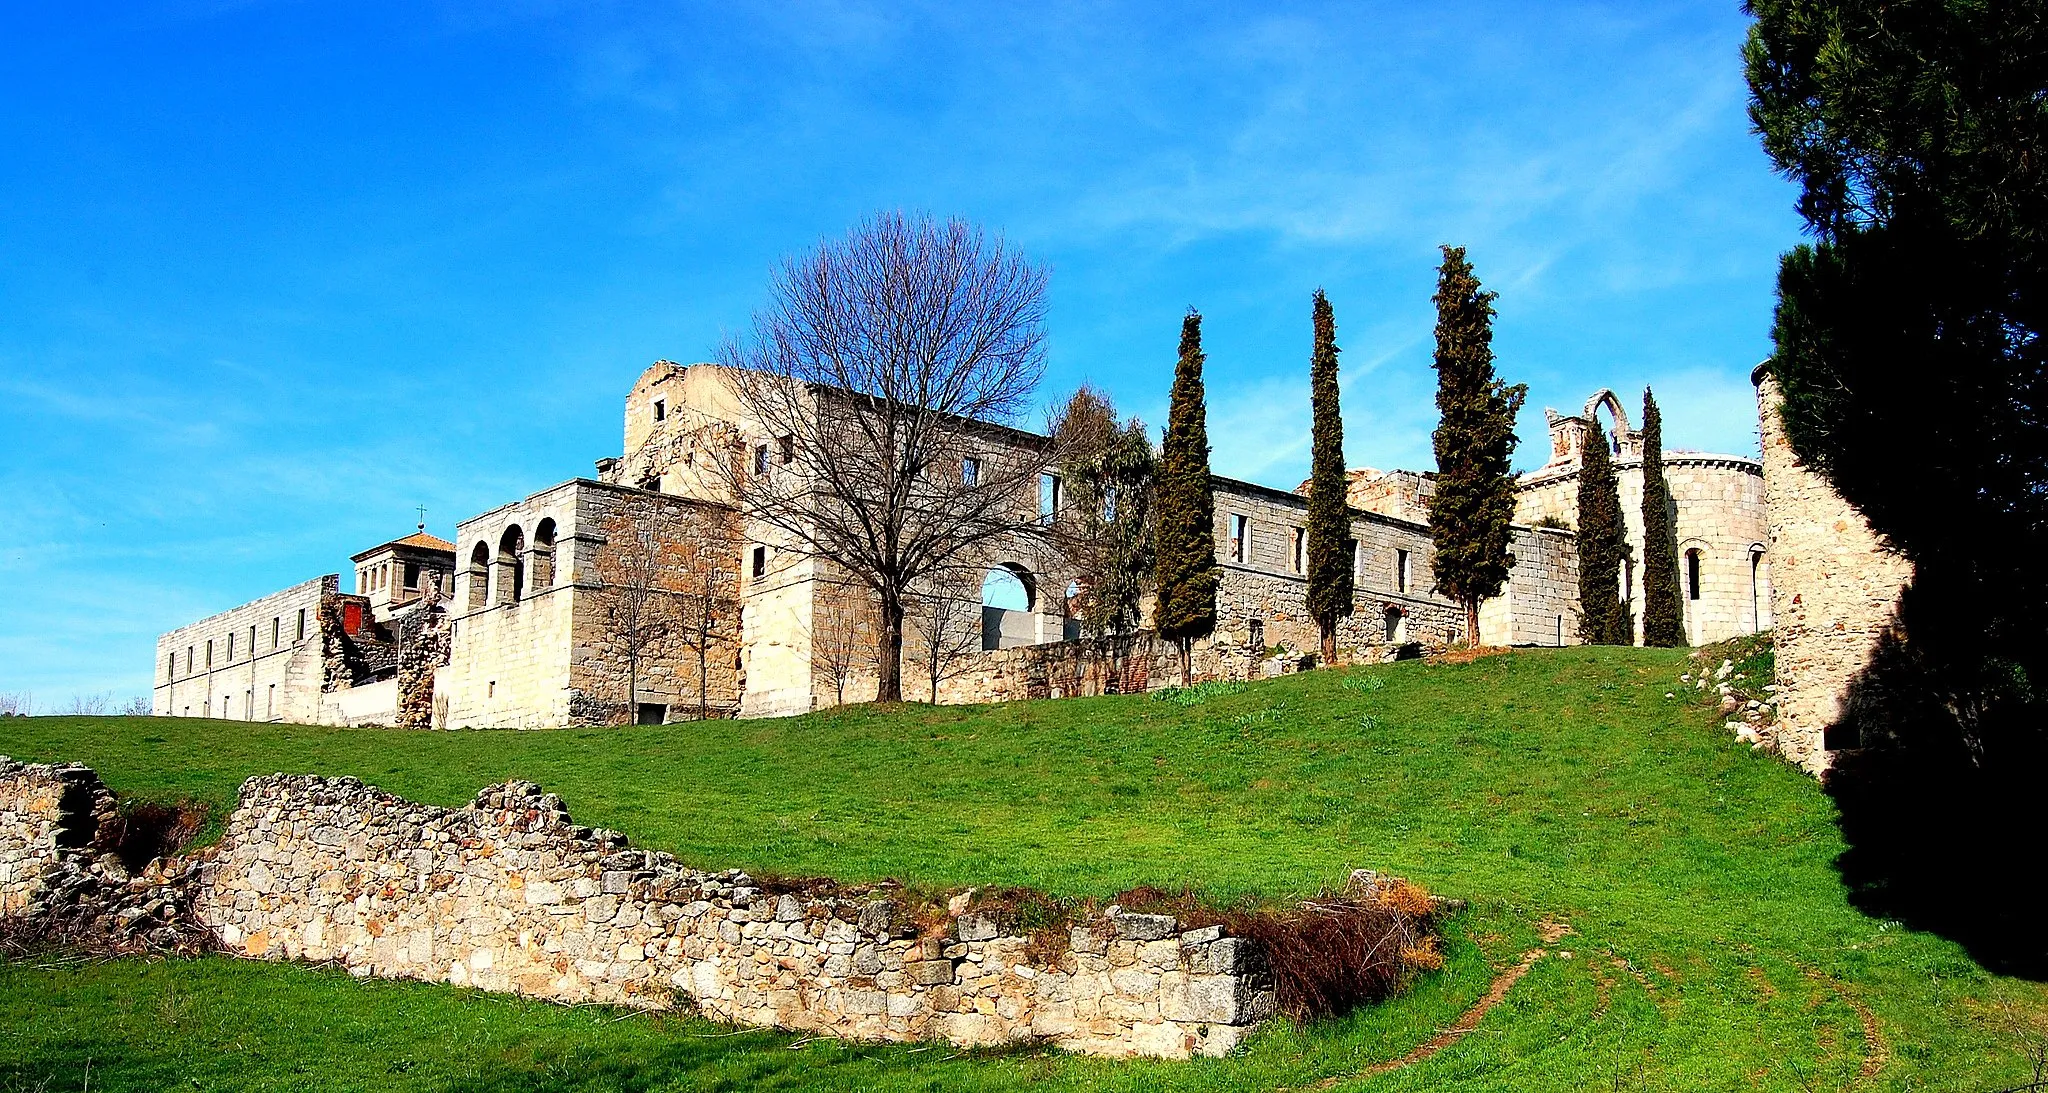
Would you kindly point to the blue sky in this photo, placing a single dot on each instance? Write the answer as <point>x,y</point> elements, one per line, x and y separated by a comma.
<point>275,273</point>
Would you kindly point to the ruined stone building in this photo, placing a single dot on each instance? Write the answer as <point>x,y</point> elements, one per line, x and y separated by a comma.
<point>644,594</point>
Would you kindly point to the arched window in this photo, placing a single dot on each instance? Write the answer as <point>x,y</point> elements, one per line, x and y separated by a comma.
<point>1692,574</point>
<point>511,566</point>
<point>1396,624</point>
<point>479,574</point>
<point>544,555</point>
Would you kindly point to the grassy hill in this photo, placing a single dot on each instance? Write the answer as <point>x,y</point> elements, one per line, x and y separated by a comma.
<point>1711,945</point>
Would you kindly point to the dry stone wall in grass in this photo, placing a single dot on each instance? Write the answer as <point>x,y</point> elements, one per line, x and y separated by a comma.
<point>509,894</point>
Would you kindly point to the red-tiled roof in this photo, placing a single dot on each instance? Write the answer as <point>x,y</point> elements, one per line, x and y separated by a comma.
<point>418,540</point>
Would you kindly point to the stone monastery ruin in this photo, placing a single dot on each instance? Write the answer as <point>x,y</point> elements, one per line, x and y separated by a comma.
<point>528,618</point>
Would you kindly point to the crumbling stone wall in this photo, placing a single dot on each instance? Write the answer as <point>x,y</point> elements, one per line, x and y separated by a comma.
<point>424,641</point>
<point>61,876</point>
<point>48,814</point>
<point>508,894</point>
<point>1834,589</point>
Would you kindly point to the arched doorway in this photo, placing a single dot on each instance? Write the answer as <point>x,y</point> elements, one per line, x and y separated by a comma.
<point>511,565</point>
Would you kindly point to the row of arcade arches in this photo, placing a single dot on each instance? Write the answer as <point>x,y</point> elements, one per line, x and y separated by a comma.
<point>503,578</point>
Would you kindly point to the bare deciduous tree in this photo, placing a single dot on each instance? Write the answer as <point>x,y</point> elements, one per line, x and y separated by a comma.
<point>843,634</point>
<point>657,594</point>
<point>881,376</point>
<point>946,622</point>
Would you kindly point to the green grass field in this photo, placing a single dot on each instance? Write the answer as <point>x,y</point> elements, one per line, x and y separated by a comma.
<point>1712,944</point>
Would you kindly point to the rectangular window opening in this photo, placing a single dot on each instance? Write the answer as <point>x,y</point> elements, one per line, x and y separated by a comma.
<point>970,471</point>
<point>1048,497</point>
<point>1301,550</point>
<point>788,450</point>
<point>1400,571</point>
<point>660,409</point>
<point>760,566</point>
<point>651,713</point>
<point>302,625</point>
<point>276,627</point>
<point>760,459</point>
<point>1240,537</point>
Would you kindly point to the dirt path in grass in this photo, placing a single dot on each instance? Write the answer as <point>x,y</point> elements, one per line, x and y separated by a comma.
<point>1466,1022</point>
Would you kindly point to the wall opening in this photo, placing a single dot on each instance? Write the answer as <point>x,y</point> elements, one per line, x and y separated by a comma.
<point>651,713</point>
<point>544,555</point>
<point>479,580</point>
<point>1396,624</point>
<point>1692,574</point>
<point>511,565</point>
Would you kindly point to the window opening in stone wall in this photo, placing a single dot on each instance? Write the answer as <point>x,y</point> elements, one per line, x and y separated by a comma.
<point>1692,574</point>
<point>1400,571</point>
<point>412,575</point>
<point>1256,635</point>
<point>760,459</point>
<point>188,660</point>
<point>209,654</point>
<point>491,689</point>
<point>1048,497</point>
<point>249,704</point>
<point>1357,556</point>
<point>544,555</point>
<point>760,565</point>
<point>479,579</point>
<point>1009,587</point>
<point>1240,537</point>
<point>970,471</point>
<point>302,625</point>
<point>1300,550</point>
<point>270,703</point>
<point>276,628</point>
<point>252,641</point>
<point>660,409</point>
<point>786,449</point>
<point>651,483</point>
<point>1396,624</point>
<point>1756,603</point>
<point>231,649</point>
<point>651,713</point>
<point>511,565</point>
<point>1628,580</point>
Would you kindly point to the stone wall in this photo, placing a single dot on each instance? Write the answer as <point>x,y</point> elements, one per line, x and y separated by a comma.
<point>1834,588</point>
<point>47,814</point>
<point>1540,604</point>
<point>1719,511</point>
<point>551,657</point>
<point>508,894</point>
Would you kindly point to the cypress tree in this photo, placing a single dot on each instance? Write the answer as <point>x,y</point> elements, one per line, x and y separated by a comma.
<point>1475,438</point>
<point>1663,614</point>
<point>1329,515</point>
<point>1186,536</point>
<point>1602,546</point>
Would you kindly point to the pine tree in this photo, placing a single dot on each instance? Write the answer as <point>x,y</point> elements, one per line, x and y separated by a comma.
<point>1329,515</point>
<point>1604,617</point>
<point>1475,439</point>
<point>1186,536</point>
<point>1663,611</point>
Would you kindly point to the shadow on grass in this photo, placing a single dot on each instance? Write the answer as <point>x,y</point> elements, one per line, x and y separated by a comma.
<point>1939,764</point>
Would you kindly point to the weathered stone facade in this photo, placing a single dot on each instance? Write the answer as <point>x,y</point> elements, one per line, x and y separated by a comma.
<point>1718,514</point>
<point>530,641</point>
<point>535,641</point>
<point>1834,585</point>
<point>509,895</point>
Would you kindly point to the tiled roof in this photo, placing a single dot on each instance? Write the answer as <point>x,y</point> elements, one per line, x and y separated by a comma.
<point>418,540</point>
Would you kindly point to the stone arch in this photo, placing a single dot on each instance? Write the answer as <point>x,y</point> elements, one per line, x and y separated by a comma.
<point>1006,582</point>
<point>1607,399</point>
<point>479,574</point>
<point>511,565</point>
<point>544,554</point>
